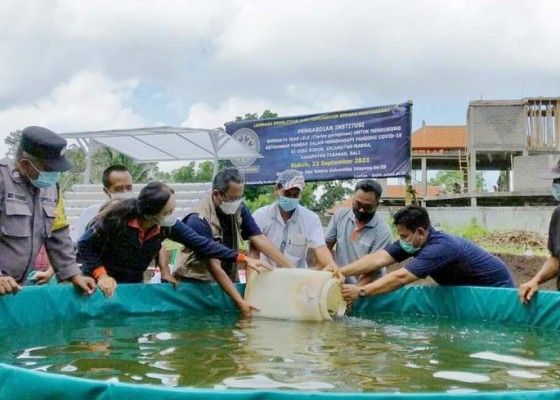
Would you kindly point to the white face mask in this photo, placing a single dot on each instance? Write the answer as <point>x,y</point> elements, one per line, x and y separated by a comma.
<point>231,207</point>
<point>122,195</point>
<point>168,220</point>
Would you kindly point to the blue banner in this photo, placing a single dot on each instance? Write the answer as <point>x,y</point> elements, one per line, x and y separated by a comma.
<point>352,144</point>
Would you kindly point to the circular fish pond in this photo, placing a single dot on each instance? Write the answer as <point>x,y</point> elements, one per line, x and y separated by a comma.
<point>153,340</point>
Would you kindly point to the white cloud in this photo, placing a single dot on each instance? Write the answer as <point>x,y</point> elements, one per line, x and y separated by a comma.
<point>43,43</point>
<point>110,20</point>
<point>88,101</point>
<point>388,48</point>
<point>219,59</point>
<point>203,115</point>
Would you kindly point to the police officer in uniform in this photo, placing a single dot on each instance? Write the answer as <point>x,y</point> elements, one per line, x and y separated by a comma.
<point>28,201</point>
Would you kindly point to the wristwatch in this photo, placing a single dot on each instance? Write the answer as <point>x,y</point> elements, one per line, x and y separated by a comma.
<point>362,292</point>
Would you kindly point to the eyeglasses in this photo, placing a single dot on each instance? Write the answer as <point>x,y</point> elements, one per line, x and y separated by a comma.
<point>229,199</point>
<point>366,207</point>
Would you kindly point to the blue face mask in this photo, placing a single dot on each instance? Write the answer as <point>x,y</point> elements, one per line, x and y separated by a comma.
<point>288,204</point>
<point>408,247</point>
<point>556,191</point>
<point>45,179</point>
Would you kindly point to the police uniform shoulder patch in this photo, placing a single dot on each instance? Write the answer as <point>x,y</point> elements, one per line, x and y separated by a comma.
<point>16,176</point>
<point>60,221</point>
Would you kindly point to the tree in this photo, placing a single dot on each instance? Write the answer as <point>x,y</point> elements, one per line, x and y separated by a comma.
<point>12,141</point>
<point>164,177</point>
<point>191,173</point>
<point>141,173</point>
<point>247,117</point>
<point>267,196</point>
<point>184,174</point>
<point>206,170</point>
<point>74,175</point>
<point>267,114</point>
<point>333,192</point>
<point>448,178</point>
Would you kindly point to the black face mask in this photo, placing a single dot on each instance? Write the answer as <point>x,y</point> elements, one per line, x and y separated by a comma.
<point>363,216</point>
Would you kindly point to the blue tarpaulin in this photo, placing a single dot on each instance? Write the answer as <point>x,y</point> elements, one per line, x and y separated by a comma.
<point>37,305</point>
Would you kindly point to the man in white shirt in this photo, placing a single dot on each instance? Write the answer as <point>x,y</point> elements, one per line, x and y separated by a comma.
<point>290,226</point>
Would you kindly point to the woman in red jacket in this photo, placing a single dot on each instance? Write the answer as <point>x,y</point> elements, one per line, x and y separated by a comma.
<point>127,235</point>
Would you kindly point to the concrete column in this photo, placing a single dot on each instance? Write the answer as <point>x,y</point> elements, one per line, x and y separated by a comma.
<point>424,178</point>
<point>472,176</point>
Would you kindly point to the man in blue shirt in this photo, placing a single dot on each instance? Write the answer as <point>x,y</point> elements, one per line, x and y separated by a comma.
<point>448,259</point>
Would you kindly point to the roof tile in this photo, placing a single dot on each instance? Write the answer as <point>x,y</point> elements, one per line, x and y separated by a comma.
<point>440,137</point>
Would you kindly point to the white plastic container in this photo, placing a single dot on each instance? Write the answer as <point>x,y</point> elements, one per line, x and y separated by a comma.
<point>295,293</point>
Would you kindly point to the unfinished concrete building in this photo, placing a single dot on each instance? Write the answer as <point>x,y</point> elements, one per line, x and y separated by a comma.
<point>518,137</point>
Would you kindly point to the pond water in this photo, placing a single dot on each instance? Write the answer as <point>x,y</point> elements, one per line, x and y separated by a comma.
<point>384,353</point>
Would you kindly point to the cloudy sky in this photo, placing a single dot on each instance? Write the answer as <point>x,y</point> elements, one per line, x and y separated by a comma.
<point>81,65</point>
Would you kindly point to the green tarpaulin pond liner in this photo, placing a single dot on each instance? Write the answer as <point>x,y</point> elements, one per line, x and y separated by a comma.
<point>40,305</point>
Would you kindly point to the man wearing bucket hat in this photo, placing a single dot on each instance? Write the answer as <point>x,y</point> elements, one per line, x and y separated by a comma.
<point>292,227</point>
<point>551,266</point>
<point>28,201</point>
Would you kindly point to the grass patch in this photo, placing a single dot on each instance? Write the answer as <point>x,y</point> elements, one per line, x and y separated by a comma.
<point>472,231</point>
<point>516,250</point>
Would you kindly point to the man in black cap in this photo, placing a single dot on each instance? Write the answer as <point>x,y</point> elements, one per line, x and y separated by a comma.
<point>28,200</point>
<point>551,266</point>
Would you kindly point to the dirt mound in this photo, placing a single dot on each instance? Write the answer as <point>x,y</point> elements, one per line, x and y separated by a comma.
<point>525,240</point>
<point>524,268</point>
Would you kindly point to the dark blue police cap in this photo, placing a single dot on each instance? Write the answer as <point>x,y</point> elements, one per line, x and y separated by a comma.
<point>46,146</point>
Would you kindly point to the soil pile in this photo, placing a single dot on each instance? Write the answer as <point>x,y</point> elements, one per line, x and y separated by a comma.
<point>524,240</point>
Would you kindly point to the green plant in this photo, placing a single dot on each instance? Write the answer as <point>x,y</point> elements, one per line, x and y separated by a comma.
<point>471,231</point>
<point>268,196</point>
<point>262,200</point>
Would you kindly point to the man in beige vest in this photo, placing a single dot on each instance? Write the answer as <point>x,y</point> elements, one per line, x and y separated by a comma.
<point>223,216</point>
